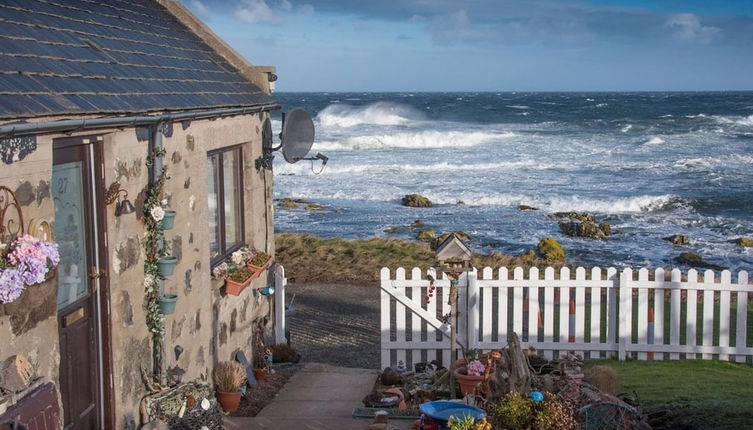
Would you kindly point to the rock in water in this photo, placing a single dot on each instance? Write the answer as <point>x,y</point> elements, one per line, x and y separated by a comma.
<point>551,250</point>
<point>694,260</point>
<point>527,208</point>
<point>678,239</point>
<point>745,241</point>
<point>426,235</point>
<point>585,229</point>
<point>416,201</point>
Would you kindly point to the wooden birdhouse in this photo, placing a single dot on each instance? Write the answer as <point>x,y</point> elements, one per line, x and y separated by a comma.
<point>454,256</point>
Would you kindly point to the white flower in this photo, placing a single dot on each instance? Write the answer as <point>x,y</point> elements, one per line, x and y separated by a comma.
<point>164,202</point>
<point>237,257</point>
<point>148,281</point>
<point>205,404</point>
<point>157,213</point>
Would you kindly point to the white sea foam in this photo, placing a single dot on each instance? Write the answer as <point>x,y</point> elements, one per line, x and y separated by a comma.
<point>738,120</point>
<point>518,106</point>
<point>379,113</point>
<point>627,128</point>
<point>602,105</point>
<point>422,139</point>
<point>379,169</point>
<point>654,141</point>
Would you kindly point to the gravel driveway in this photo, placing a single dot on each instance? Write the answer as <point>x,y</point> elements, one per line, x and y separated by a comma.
<point>335,324</point>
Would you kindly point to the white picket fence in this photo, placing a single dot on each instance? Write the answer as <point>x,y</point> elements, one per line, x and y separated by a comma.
<point>607,314</point>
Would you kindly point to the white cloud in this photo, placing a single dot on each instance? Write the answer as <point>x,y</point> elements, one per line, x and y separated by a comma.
<point>199,7</point>
<point>687,28</point>
<point>257,11</point>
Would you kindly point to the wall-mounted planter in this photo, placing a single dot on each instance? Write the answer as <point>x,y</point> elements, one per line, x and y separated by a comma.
<point>260,268</point>
<point>168,221</point>
<point>167,303</point>
<point>166,265</point>
<point>234,288</point>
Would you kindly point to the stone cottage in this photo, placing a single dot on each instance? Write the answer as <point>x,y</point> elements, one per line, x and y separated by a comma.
<point>96,98</point>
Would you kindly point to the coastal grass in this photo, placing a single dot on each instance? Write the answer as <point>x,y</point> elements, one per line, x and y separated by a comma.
<point>690,394</point>
<point>309,258</point>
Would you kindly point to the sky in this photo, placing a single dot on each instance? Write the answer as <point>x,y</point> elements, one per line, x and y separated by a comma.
<point>491,45</point>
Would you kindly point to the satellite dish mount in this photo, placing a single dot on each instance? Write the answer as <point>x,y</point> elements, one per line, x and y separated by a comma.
<point>296,139</point>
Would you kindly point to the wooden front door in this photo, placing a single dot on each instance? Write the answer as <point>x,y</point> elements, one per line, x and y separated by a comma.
<point>74,194</point>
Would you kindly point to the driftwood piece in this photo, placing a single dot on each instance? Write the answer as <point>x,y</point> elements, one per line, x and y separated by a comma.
<point>512,371</point>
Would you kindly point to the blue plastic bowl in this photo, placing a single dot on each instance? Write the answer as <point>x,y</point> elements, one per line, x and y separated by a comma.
<point>442,410</point>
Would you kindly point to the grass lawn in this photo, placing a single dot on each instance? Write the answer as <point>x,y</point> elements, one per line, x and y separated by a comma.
<point>691,394</point>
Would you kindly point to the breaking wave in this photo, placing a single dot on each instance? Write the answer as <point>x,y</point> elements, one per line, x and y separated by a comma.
<point>737,120</point>
<point>379,113</point>
<point>654,141</point>
<point>417,140</point>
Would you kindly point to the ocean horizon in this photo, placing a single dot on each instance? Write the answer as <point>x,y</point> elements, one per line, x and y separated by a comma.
<point>652,164</point>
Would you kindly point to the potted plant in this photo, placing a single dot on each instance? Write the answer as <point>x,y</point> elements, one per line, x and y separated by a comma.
<point>470,376</point>
<point>229,377</point>
<point>168,220</point>
<point>236,272</point>
<point>469,355</point>
<point>25,262</point>
<point>259,261</point>
<point>262,359</point>
<point>167,303</point>
<point>166,265</point>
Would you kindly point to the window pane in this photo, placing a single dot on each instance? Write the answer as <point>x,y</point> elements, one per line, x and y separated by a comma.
<point>213,181</point>
<point>232,189</point>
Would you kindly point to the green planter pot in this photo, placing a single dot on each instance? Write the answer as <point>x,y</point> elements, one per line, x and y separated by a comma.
<point>168,221</point>
<point>166,265</point>
<point>167,303</point>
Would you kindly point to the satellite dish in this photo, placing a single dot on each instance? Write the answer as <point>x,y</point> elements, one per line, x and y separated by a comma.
<point>297,135</point>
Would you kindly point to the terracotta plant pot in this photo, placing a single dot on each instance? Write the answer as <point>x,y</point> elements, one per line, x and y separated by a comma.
<point>229,401</point>
<point>234,288</point>
<point>467,383</point>
<point>260,374</point>
<point>260,268</point>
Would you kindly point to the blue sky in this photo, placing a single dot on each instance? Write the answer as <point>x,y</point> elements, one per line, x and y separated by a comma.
<point>491,45</point>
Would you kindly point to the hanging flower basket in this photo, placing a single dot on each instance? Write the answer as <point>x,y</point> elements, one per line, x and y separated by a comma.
<point>166,265</point>
<point>168,220</point>
<point>167,303</point>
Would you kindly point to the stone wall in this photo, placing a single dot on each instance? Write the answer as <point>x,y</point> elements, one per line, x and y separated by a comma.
<point>28,326</point>
<point>207,326</point>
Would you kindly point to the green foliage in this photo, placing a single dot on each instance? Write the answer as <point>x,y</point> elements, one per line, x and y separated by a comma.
<point>513,412</point>
<point>259,259</point>
<point>465,423</point>
<point>701,394</point>
<point>551,250</point>
<point>516,412</point>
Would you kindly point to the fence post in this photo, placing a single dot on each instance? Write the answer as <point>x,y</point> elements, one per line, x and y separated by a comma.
<point>463,311</point>
<point>385,316</point>
<point>281,335</point>
<point>625,313</point>
<point>473,320</point>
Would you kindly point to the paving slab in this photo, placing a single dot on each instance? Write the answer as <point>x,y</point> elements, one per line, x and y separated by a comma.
<point>318,396</point>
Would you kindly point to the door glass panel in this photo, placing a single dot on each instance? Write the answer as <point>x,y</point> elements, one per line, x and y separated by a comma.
<point>67,193</point>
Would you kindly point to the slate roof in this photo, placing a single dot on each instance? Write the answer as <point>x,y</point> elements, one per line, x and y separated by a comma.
<point>111,56</point>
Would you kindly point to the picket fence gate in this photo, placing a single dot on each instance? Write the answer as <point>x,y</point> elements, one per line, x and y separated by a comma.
<point>609,314</point>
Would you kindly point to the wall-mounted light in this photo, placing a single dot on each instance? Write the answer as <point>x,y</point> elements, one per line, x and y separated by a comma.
<point>113,194</point>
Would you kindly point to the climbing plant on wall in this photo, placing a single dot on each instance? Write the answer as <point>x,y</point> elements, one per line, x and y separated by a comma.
<point>155,247</point>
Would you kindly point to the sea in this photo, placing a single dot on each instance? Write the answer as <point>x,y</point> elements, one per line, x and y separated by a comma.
<point>650,164</point>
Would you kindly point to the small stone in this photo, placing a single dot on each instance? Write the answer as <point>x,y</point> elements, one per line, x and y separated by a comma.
<point>417,224</point>
<point>527,208</point>
<point>288,204</point>
<point>678,239</point>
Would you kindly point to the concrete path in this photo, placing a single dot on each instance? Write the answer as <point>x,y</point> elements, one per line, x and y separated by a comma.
<point>317,397</point>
